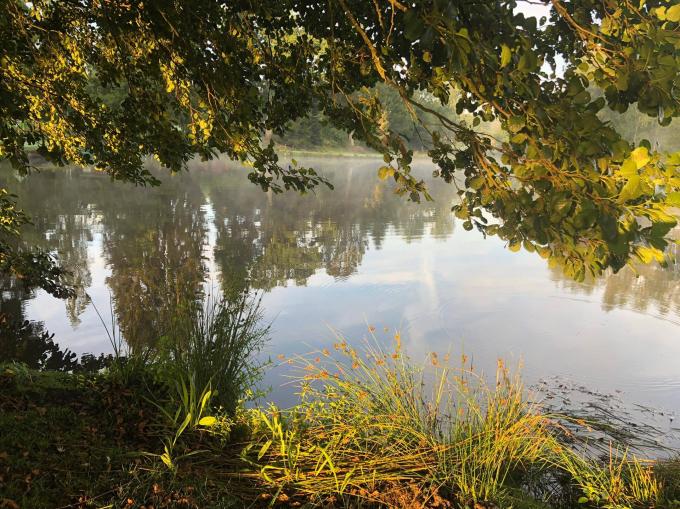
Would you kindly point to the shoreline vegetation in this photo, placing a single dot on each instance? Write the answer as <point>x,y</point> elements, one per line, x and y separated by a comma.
<point>171,427</point>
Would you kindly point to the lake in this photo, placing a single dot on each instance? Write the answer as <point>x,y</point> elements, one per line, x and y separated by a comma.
<point>342,261</point>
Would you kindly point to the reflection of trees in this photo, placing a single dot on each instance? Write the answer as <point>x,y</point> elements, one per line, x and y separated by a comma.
<point>274,239</point>
<point>25,341</point>
<point>63,221</point>
<point>645,287</point>
<point>153,243</point>
<point>153,239</point>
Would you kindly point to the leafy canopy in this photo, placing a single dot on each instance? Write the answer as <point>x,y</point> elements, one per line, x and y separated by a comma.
<point>108,83</point>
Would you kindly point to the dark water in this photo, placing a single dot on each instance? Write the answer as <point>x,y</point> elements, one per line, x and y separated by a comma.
<point>342,260</point>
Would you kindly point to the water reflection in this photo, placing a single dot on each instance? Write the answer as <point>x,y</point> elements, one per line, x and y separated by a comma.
<point>273,240</point>
<point>157,242</point>
<point>649,289</point>
<point>340,258</point>
<point>153,245</point>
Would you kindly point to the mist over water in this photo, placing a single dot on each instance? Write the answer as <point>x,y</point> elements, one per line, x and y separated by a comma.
<point>340,262</point>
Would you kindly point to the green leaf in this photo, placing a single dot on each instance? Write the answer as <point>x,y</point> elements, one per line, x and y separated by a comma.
<point>661,228</point>
<point>464,33</point>
<point>477,182</point>
<point>562,206</point>
<point>516,123</point>
<point>622,80</point>
<point>263,450</point>
<point>204,400</point>
<point>184,425</point>
<point>506,55</point>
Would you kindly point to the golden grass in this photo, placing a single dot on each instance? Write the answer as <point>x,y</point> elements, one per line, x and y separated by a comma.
<point>371,419</point>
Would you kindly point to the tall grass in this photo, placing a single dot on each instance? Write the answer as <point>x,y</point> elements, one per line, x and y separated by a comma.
<point>371,421</point>
<point>212,345</point>
<point>124,365</point>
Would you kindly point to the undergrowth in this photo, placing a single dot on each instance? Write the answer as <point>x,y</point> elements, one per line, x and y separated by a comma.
<point>371,420</point>
<point>372,429</point>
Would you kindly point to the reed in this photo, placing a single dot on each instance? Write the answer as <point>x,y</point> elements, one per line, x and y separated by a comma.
<point>371,422</point>
<point>214,343</point>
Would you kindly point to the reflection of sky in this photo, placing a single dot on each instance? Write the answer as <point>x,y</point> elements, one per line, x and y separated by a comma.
<point>461,293</point>
<point>90,335</point>
<point>470,294</point>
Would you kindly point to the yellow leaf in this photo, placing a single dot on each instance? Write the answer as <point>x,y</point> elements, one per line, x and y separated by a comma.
<point>506,55</point>
<point>165,457</point>
<point>673,13</point>
<point>631,190</point>
<point>207,421</point>
<point>629,168</point>
<point>641,157</point>
<point>544,252</point>
<point>264,449</point>
<point>649,254</point>
<point>385,172</point>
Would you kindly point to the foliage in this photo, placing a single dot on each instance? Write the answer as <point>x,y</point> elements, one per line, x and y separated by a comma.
<point>34,267</point>
<point>211,347</point>
<point>191,408</point>
<point>76,439</point>
<point>107,84</point>
<point>369,420</point>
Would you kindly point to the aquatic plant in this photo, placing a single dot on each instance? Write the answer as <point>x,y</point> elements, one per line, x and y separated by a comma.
<point>213,343</point>
<point>370,421</point>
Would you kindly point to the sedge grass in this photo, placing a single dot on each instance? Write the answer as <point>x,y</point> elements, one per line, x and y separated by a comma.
<point>213,343</point>
<point>370,420</point>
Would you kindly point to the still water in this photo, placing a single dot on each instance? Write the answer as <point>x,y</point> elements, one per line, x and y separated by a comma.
<point>338,262</point>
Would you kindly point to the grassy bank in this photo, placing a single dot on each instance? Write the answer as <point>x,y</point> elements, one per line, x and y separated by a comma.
<point>369,437</point>
<point>169,427</point>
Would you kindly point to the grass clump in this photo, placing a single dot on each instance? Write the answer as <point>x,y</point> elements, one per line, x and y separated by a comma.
<point>211,346</point>
<point>372,426</point>
<point>371,429</point>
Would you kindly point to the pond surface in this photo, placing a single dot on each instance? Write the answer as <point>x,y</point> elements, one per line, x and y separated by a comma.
<point>342,260</point>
